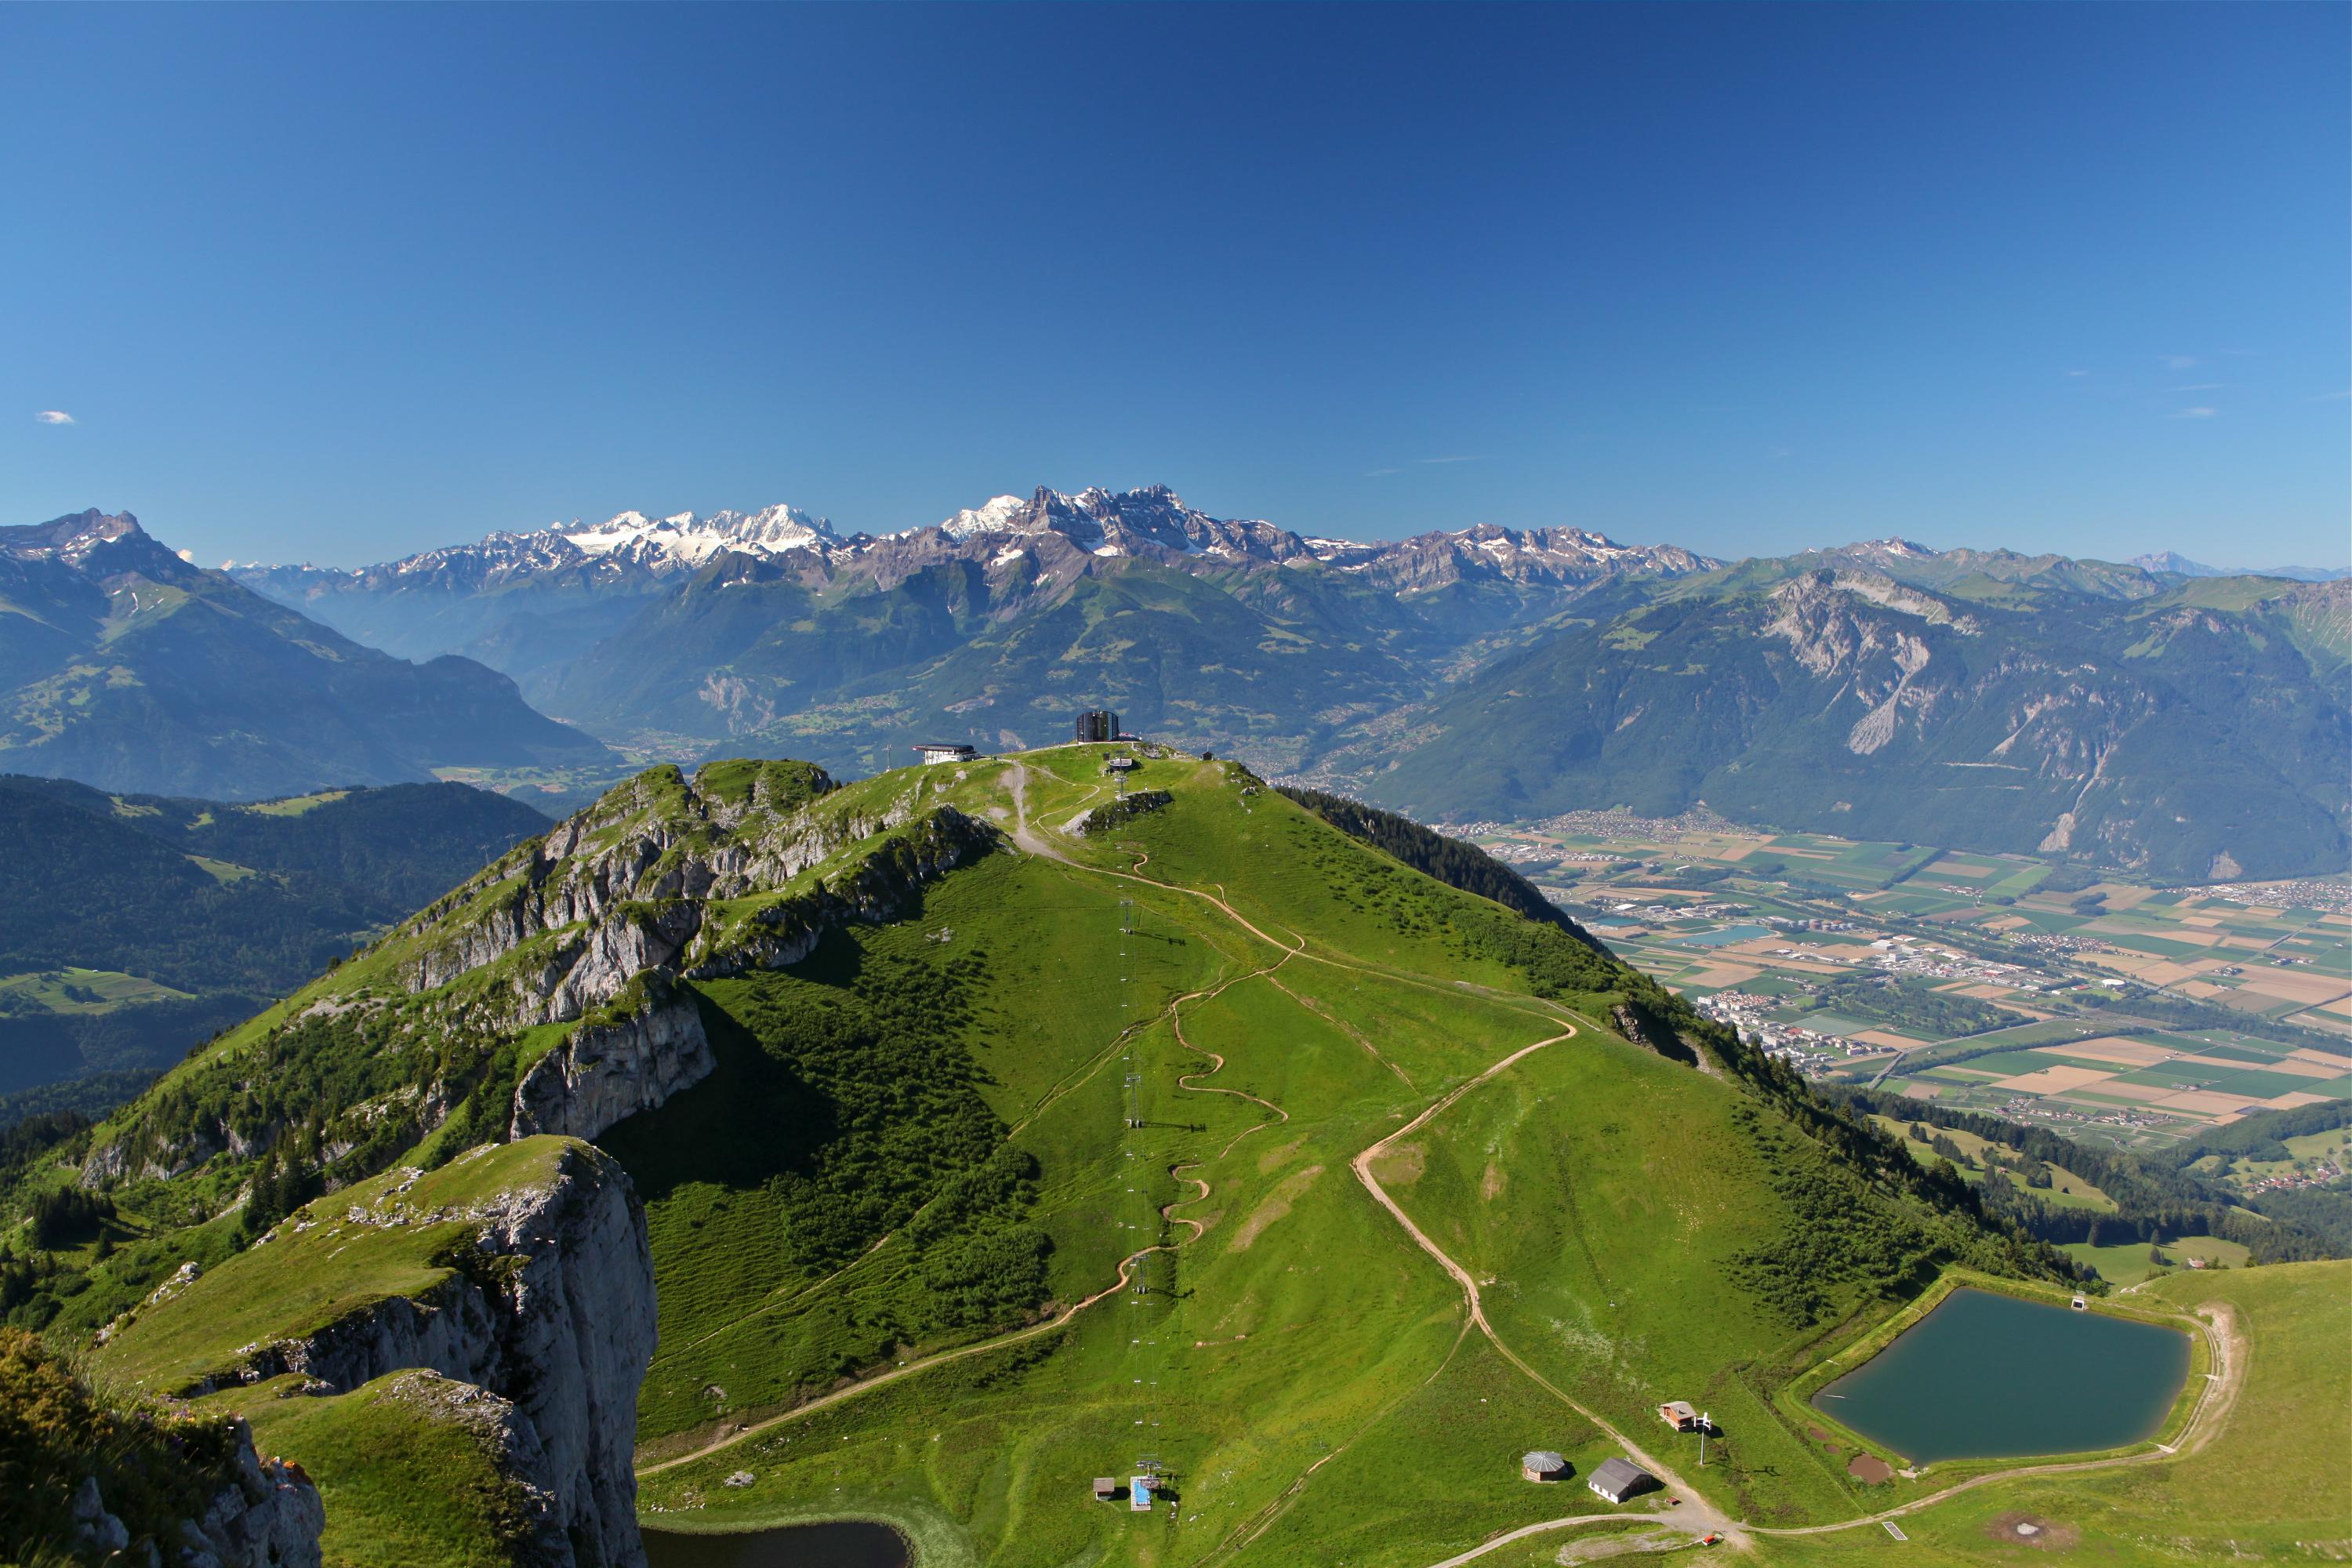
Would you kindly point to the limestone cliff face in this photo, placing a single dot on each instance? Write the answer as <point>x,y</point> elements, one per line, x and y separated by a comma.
<point>551,1310</point>
<point>606,1071</point>
<point>623,887</point>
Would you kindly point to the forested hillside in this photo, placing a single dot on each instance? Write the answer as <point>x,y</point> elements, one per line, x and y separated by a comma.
<point>139,924</point>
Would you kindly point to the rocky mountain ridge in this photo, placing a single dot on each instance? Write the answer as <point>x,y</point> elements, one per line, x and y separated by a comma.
<point>2186,740</point>
<point>1099,521</point>
<point>125,667</point>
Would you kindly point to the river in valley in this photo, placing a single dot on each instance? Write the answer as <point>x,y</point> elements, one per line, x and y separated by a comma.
<point>848,1543</point>
<point>1988,1376</point>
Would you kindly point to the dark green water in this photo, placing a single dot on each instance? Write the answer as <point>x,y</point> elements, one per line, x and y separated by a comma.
<point>1985,1376</point>
<point>847,1544</point>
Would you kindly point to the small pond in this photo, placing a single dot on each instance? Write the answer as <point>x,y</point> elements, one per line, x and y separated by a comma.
<point>847,1543</point>
<point>1985,1375</point>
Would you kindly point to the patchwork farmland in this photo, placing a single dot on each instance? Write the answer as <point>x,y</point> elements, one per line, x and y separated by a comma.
<point>2114,1010</point>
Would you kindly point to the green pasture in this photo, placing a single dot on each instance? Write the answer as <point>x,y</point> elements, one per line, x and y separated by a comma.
<point>2127,1263</point>
<point>77,990</point>
<point>316,1269</point>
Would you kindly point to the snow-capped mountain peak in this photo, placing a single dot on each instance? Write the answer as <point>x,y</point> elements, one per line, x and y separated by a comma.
<point>996,515</point>
<point>686,540</point>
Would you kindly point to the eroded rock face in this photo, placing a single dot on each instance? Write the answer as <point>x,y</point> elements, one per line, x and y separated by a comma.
<point>268,1516</point>
<point>619,890</point>
<point>551,1311</point>
<point>607,1070</point>
<point>605,1073</point>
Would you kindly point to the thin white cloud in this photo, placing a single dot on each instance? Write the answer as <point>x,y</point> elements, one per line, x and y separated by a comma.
<point>2202,386</point>
<point>2197,414</point>
<point>53,416</point>
<point>1376,473</point>
<point>2078,373</point>
<point>2177,361</point>
<point>1475,457</point>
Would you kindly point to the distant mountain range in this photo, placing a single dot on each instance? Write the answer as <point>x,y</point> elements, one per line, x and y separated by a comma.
<point>726,625</point>
<point>2174,561</point>
<point>2183,726</point>
<point>2190,734</point>
<point>125,667</point>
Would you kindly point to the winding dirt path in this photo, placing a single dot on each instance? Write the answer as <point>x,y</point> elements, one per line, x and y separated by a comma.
<point>1028,840</point>
<point>1700,1515</point>
<point>2214,1403</point>
<point>867,1385</point>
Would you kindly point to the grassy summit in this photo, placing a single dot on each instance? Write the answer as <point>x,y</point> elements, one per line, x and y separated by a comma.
<point>1221,1137</point>
<point>1268,997</point>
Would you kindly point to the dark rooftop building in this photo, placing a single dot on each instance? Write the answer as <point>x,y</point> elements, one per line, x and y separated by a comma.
<point>1097,724</point>
<point>1618,1480</point>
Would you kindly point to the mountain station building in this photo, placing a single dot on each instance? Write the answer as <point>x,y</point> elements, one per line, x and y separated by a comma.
<point>1097,724</point>
<point>944,752</point>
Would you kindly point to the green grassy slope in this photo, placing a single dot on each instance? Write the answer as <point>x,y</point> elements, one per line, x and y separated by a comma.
<point>1294,1349</point>
<point>1057,1170</point>
<point>408,1478</point>
<point>316,1271</point>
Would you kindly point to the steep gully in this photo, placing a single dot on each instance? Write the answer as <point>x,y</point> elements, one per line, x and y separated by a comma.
<point>1699,1515</point>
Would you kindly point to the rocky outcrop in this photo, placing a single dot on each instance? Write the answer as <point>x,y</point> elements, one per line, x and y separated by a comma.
<point>266,1515</point>
<point>648,1043</point>
<point>1645,1028</point>
<point>622,889</point>
<point>549,1309</point>
<point>606,1071</point>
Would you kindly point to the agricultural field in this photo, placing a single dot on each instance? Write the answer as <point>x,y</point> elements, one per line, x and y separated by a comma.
<point>1906,966</point>
<point>72,989</point>
<point>2131,1263</point>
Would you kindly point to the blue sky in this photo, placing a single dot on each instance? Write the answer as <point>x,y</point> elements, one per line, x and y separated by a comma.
<point>344,282</point>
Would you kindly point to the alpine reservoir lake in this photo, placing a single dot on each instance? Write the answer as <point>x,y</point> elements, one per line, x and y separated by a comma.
<point>847,1543</point>
<point>1988,1376</point>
